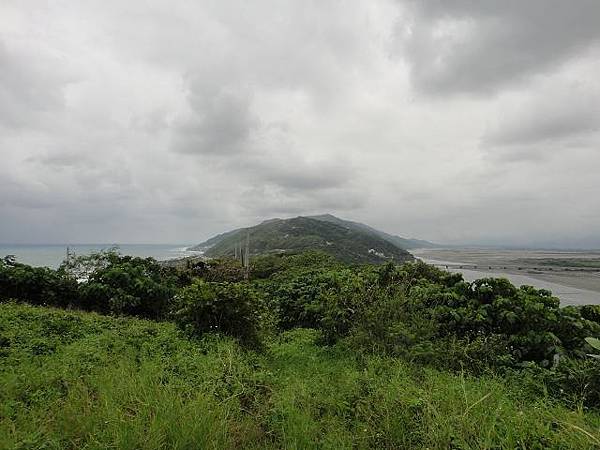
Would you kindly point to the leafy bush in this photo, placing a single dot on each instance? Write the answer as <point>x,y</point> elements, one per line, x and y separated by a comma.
<point>574,381</point>
<point>295,299</point>
<point>595,344</point>
<point>219,270</point>
<point>263,267</point>
<point>591,312</point>
<point>233,309</point>
<point>127,285</point>
<point>533,326</point>
<point>414,311</point>
<point>36,285</point>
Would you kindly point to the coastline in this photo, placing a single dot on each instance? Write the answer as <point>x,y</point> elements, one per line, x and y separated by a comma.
<point>573,285</point>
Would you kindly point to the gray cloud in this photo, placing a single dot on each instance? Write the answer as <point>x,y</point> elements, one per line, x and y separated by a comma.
<point>558,118</point>
<point>266,201</point>
<point>289,170</point>
<point>555,116</point>
<point>149,122</point>
<point>221,122</point>
<point>31,85</point>
<point>466,46</point>
<point>308,177</point>
<point>547,126</point>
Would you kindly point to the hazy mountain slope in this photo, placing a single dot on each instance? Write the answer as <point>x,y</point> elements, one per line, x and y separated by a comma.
<point>304,233</point>
<point>404,243</point>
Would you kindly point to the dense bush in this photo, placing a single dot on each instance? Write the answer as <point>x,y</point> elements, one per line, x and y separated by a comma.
<point>529,321</point>
<point>73,380</point>
<point>105,282</point>
<point>426,314</point>
<point>295,299</point>
<point>125,285</point>
<point>591,312</point>
<point>414,311</point>
<point>36,285</point>
<point>576,380</point>
<point>219,270</point>
<point>233,309</point>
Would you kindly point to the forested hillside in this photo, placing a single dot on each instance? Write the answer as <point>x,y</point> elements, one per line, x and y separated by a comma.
<point>406,244</point>
<point>291,236</point>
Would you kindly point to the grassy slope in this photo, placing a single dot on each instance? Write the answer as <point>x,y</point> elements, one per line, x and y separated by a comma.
<point>302,233</point>
<point>77,380</point>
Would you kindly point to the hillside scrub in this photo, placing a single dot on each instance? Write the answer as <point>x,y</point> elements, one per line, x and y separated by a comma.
<point>234,309</point>
<point>413,310</point>
<point>81,380</point>
<point>413,319</point>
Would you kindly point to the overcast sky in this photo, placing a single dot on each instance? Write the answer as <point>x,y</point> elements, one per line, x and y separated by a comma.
<point>154,121</point>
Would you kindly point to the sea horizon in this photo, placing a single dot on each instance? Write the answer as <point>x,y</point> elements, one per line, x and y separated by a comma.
<point>52,255</point>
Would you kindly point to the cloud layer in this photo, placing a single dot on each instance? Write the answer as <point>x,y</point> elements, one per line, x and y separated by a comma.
<point>155,122</point>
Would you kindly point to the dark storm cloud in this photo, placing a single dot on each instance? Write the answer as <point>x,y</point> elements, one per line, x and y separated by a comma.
<point>479,46</point>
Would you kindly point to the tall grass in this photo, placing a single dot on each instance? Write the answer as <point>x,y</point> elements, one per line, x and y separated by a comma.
<point>77,380</point>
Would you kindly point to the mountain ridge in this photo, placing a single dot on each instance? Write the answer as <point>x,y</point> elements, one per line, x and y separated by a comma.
<point>348,241</point>
<point>405,243</point>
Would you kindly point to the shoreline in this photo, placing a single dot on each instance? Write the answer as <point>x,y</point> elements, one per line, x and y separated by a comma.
<point>573,285</point>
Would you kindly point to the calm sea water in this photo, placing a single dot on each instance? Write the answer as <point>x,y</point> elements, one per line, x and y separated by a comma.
<point>53,255</point>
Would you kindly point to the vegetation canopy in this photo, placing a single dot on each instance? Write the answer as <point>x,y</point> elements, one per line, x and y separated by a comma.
<point>241,356</point>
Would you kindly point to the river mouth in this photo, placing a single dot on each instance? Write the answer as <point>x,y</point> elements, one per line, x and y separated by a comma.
<point>572,284</point>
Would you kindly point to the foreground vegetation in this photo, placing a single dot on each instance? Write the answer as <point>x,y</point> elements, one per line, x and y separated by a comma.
<point>307,353</point>
<point>81,380</point>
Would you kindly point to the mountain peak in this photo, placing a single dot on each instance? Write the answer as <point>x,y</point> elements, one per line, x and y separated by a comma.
<point>298,234</point>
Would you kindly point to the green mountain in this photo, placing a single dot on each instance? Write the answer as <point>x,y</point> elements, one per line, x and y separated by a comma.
<point>401,242</point>
<point>353,245</point>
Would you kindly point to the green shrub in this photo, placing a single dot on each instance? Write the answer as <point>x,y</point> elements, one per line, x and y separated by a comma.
<point>595,344</point>
<point>219,270</point>
<point>125,285</point>
<point>262,267</point>
<point>575,381</point>
<point>233,309</point>
<point>533,326</point>
<point>295,299</point>
<point>591,312</point>
<point>344,296</point>
<point>36,285</point>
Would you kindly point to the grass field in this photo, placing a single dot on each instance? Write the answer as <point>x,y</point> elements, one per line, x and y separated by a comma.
<point>80,380</point>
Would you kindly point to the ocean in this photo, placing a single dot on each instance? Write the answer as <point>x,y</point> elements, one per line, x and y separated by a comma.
<point>53,255</point>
